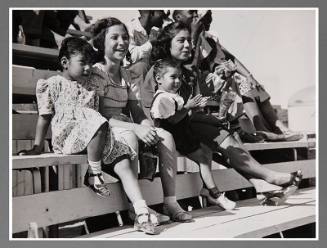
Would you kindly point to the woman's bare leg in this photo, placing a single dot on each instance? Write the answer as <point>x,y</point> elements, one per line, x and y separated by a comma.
<point>168,162</point>
<point>130,183</point>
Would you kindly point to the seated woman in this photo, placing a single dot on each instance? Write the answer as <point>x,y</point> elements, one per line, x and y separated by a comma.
<point>71,106</point>
<point>256,101</point>
<point>174,43</point>
<point>111,39</point>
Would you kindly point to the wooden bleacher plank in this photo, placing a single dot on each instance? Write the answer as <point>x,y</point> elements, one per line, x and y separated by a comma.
<point>276,145</point>
<point>24,125</point>
<point>29,120</point>
<point>50,159</point>
<point>21,78</point>
<point>34,56</point>
<point>25,108</point>
<point>79,33</point>
<point>34,51</point>
<point>46,209</point>
<point>46,160</point>
<point>24,79</point>
<point>308,167</point>
<point>22,183</point>
<point>248,220</point>
<point>81,201</point>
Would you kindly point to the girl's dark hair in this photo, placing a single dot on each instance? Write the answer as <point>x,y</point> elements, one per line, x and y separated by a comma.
<point>74,45</point>
<point>99,31</point>
<point>160,66</point>
<point>161,47</point>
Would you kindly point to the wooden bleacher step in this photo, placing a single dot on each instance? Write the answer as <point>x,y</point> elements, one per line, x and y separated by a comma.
<point>248,220</point>
<point>79,203</point>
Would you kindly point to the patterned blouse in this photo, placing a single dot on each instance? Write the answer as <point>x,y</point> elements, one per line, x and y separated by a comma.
<point>116,96</point>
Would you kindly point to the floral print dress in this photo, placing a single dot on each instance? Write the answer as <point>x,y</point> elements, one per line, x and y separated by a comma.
<point>75,117</point>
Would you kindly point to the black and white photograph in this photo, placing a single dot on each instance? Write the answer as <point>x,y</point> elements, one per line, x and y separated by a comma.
<point>163,124</point>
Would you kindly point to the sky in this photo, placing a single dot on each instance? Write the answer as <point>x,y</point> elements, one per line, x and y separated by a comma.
<point>278,46</point>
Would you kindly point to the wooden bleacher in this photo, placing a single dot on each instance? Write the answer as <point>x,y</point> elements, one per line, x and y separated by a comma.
<point>35,204</point>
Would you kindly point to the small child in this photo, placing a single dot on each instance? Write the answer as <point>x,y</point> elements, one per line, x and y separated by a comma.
<point>71,105</point>
<point>142,32</point>
<point>171,113</point>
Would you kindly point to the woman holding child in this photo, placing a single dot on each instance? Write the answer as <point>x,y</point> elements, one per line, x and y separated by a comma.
<point>174,43</point>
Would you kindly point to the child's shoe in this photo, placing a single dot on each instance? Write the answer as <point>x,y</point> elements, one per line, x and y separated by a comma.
<point>143,223</point>
<point>221,200</point>
<point>100,189</point>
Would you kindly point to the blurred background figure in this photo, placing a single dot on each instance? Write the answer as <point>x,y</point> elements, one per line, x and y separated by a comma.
<point>46,28</point>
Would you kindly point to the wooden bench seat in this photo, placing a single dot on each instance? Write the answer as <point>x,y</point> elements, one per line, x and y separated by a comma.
<point>248,220</point>
<point>39,57</point>
<point>78,203</point>
<point>29,120</point>
<point>26,77</point>
<point>210,222</point>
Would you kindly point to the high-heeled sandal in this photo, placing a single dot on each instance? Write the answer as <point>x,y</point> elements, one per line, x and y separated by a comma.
<point>296,178</point>
<point>147,226</point>
<point>221,200</point>
<point>100,189</point>
<point>278,197</point>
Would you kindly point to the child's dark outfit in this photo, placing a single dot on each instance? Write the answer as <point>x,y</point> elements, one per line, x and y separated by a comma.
<point>165,105</point>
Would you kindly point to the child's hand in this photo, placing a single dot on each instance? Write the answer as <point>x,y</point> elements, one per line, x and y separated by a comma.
<point>193,102</point>
<point>36,150</point>
<point>203,102</point>
<point>147,134</point>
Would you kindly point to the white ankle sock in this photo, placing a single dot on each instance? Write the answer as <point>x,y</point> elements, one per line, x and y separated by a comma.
<point>94,167</point>
<point>140,207</point>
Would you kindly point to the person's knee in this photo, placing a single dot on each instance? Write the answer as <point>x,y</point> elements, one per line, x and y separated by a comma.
<point>132,140</point>
<point>230,141</point>
<point>103,129</point>
<point>122,167</point>
<point>166,139</point>
<point>205,154</point>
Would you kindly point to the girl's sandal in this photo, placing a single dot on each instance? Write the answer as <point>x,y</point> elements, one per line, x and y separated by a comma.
<point>100,189</point>
<point>147,227</point>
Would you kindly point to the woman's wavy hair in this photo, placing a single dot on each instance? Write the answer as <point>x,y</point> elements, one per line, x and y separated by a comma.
<point>99,31</point>
<point>161,47</point>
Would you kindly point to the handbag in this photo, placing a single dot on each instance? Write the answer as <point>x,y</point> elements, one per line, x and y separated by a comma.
<point>148,159</point>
